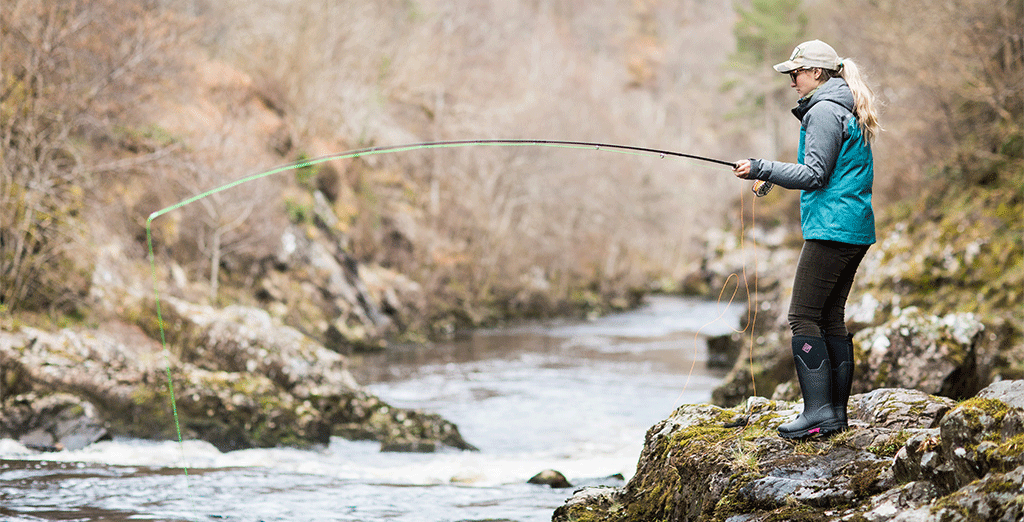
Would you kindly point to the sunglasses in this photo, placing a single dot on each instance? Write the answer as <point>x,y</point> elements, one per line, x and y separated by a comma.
<point>794,74</point>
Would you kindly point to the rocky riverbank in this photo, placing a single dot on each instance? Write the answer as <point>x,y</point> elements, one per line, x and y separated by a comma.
<point>909,456</point>
<point>241,379</point>
<point>938,404</point>
<point>948,265</point>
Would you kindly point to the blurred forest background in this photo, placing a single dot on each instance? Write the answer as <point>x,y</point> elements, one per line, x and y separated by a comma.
<point>111,110</point>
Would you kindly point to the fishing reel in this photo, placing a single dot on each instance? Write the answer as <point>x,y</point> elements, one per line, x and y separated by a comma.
<point>761,188</point>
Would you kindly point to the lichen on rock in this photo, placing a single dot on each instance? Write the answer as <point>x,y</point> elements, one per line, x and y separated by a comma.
<point>240,379</point>
<point>910,456</point>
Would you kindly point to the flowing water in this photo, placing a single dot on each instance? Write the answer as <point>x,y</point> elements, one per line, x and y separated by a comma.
<point>576,397</point>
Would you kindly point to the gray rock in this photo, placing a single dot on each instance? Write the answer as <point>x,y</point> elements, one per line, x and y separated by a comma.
<point>996,497</point>
<point>53,422</point>
<point>911,457</point>
<point>935,355</point>
<point>910,502</point>
<point>1009,392</point>
<point>723,350</point>
<point>241,379</point>
<point>550,477</point>
<point>898,408</point>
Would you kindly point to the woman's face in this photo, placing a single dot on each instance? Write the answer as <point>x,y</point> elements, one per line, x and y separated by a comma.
<point>804,81</point>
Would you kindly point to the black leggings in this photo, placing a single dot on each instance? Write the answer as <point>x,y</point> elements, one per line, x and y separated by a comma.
<point>824,276</point>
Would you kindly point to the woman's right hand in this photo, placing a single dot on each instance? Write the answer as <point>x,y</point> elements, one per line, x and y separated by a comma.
<point>742,169</point>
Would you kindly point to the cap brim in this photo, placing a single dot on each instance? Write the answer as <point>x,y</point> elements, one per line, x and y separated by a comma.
<point>787,66</point>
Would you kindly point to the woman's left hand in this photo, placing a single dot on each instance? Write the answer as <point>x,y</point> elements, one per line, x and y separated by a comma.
<point>742,169</point>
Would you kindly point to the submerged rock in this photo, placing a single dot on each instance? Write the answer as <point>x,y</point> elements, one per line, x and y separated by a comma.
<point>550,477</point>
<point>52,422</point>
<point>910,456</point>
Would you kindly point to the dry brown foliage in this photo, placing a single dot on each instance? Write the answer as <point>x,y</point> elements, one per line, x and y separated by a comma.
<point>951,75</point>
<point>65,66</point>
<point>114,100</point>
<point>484,220</point>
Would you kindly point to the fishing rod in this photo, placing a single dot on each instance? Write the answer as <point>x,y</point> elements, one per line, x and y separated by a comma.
<point>760,187</point>
<point>549,143</point>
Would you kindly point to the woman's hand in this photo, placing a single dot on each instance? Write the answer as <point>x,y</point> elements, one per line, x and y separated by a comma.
<point>742,169</point>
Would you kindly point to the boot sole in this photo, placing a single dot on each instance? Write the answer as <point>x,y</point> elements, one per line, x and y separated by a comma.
<point>817,431</point>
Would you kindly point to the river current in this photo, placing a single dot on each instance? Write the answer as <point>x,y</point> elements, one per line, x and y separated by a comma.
<point>576,397</point>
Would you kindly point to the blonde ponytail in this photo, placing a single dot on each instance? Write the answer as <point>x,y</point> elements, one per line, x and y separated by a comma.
<point>864,104</point>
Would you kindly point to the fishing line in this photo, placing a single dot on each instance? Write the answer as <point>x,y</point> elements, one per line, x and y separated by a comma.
<point>759,189</point>
<point>371,151</point>
<point>752,305</point>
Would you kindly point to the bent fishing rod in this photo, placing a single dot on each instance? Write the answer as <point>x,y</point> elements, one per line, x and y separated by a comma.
<point>760,188</point>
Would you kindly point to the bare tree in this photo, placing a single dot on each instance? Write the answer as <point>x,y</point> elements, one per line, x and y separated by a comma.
<point>360,73</point>
<point>61,65</point>
<point>955,78</point>
<point>243,222</point>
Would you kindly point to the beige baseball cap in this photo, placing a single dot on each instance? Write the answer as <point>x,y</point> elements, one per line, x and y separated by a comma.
<point>814,53</point>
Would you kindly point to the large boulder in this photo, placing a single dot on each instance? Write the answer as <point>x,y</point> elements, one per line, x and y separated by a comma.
<point>899,408</point>
<point>52,422</point>
<point>976,438</point>
<point>247,339</point>
<point>240,379</point>
<point>914,350</point>
<point>936,355</point>
<point>910,456</point>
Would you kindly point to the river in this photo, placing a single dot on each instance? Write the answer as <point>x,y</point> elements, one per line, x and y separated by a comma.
<point>576,397</point>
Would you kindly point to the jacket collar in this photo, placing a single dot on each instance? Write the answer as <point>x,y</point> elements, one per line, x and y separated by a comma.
<point>834,90</point>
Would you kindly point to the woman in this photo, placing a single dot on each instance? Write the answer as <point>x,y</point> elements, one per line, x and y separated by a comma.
<point>835,171</point>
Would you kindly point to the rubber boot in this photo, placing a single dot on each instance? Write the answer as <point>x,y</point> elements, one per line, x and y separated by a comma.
<point>818,417</point>
<point>840,351</point>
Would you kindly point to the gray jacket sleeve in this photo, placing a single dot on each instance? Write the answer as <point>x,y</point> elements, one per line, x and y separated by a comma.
<point>824,125</point>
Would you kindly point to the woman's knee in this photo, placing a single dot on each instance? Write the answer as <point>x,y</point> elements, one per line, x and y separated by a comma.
<point>803,325</point>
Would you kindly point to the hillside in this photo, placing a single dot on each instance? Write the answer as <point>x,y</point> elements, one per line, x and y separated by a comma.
<point>194,98</point>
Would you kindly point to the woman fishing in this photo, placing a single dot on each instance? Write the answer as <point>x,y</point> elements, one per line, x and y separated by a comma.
<point>835,170</point>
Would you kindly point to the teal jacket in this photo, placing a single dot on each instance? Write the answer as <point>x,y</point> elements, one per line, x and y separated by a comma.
<point>835,168</point>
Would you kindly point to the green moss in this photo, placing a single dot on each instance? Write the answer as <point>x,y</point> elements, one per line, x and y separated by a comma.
<point>657,493</point>
<point>864,482</point>
<point>306,172</point>
<point>992,486</point>
<point>997,409</point>
<point>299,212</point>
<point>74,410</point>
<point>892,444</point>
<point>148,415</point>
<point>586,513</point>
<point>973,409</point>
<point>949,503</point>
<point>145,139</point>
<point>795,513</point>
<point>1012,447</point>
<point>731,502</point>
<point>841,439</point>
